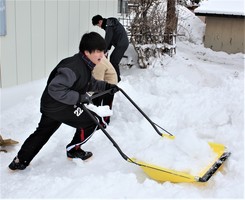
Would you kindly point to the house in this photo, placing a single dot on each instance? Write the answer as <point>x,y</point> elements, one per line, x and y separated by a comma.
<point>225,24</point>
<point>36,35</point>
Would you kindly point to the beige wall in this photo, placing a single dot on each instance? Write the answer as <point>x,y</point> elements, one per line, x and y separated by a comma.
<point>225,34</point>
<point>42,32</point>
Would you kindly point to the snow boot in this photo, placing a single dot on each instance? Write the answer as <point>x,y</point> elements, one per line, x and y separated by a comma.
<point>79,153</point>
<point>17,164</point>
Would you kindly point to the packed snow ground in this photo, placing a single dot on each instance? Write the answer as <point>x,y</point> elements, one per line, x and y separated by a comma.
<point>197,95</point>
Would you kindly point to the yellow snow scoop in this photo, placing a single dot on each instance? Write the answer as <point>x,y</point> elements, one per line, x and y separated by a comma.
<point>161,174</point>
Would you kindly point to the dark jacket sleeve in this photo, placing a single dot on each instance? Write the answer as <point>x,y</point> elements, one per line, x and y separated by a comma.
<point>96,85</point>
<point>108,37</point>
<point>59,87</point>
<point>111,24</point>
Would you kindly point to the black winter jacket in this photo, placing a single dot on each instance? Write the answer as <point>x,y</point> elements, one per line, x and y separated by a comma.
<point>115,33</point>
<point>68,80</point>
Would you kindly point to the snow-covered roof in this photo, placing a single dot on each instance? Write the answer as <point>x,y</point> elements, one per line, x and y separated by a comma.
<point>221,7</point>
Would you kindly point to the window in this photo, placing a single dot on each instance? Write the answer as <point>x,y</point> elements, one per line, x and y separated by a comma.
<point>122,6</point>
<point>2,18</point>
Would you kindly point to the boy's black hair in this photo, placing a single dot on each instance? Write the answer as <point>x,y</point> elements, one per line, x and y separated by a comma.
<point>92,41</point>
<point>96,19</point>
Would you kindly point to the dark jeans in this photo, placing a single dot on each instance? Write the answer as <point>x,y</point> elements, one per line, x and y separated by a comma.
<point>50,121</point>
<point>116,57</point>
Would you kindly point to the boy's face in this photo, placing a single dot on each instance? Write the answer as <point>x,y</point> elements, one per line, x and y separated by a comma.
<point>100,23</point>
<point>95,56</point>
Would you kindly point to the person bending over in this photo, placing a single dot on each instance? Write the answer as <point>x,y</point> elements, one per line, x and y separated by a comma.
<point>62,100</point>
<point>115,35</point>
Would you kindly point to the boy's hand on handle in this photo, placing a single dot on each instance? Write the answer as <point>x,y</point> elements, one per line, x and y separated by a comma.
<point>85,99</point>
<point>114,88</point>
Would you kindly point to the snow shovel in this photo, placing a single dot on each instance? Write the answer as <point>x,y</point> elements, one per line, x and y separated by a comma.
<point>161,174</point>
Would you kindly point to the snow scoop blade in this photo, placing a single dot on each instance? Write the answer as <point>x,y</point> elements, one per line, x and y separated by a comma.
<point>171,137</point>
<point>161,174</point>
<point>221,156</point>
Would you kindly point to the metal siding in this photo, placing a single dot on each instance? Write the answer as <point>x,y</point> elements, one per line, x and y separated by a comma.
<point>74,27</point>
<point>102,5</point>
<point>38,40</point>
<point>63,29</point>
<point>8,49</point>
<point>111,8</point>
<point>23,41</point>
<point>41,33</point>
<point>93,10</point>
<point>51,35</point>
<point>224,34</point>
<point>84,17</point>
<point>238,36</point>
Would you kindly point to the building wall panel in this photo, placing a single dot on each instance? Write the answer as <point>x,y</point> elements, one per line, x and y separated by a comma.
<point>84,17</point>
<point>23,41</point>
<point>63,29</point>
<point>93,10</point>
<point>225,34</point>
<point>8,49</point>
<point>51,35</point>
<point>37,40</point>
<point>74,27</point>
<point>41,33</point>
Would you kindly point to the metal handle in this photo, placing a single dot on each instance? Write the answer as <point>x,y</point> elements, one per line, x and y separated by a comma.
<point>101,93</point>
<point>154,125</point>
<point>106,133</point>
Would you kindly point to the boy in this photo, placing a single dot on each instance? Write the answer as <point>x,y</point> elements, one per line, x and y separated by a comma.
<point>115,35</point>
<point>61,102</point>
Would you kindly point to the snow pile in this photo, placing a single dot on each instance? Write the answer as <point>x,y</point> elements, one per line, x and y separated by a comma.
<point>190,27</point>
<point>197,95</point>
<point>186,153</point>
<point>234,7</point>
<point>101,111</point>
